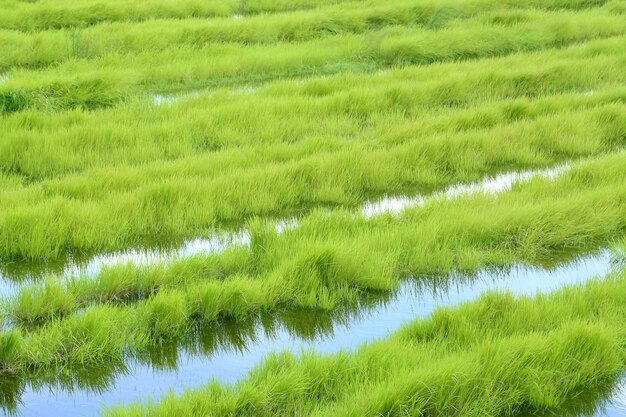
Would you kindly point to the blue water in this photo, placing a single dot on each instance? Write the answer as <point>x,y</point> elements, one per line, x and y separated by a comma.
<point>238,351</point>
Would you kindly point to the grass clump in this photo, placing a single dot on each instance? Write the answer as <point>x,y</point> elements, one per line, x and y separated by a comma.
<point>333,257</point>
<point>39,303</point>
<point>498,355</point>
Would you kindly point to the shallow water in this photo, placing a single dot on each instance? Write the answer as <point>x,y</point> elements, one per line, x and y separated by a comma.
<point>228,355</point>
<point>618,408</point>
<point>217,242</point>
<point>171,99</point>
<point>489,185</point>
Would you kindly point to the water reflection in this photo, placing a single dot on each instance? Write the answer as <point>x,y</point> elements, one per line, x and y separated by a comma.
<point>228,350</point>
<point>489,185</point>
<point>15,274</point>
<point>606,401</point>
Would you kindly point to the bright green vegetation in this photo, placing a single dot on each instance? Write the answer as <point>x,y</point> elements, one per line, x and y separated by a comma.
<point>496,356</point>
<point>158,36</point>
<point>85,182</point>
<point>104,81</point>
<point>57,14</point>
<point>129,124</point>
<point>329,260</point>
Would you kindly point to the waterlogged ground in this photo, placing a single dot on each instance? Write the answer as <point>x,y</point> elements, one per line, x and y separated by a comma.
<point>11,279</point>
<point>188,187</point>
<point>234,349</point>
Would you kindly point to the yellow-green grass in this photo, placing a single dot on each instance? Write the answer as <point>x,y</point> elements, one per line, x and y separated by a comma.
<point>41,48</point>
<point>331,110</point>
<point>45,224</point>
<point>129,123</point>
<point>57,14</point>
<point>495,356</point>
<point>80,182</point>
<point>105,81</point>
<point>331,258</point>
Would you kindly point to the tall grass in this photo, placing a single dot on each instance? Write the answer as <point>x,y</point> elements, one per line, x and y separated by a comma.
<point>222,170</point>
<point>384,105</point>
<point>101,82</point>
<point>57,14</point>
<point>333,257</point>
<point>70,219</point>
<point>496,356</point>
<point>37,49</point>
<point>127,123</point>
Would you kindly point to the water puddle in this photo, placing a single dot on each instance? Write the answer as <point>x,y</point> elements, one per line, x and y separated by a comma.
<point>227,354</point>
<point>170,99</point>
<point>490,185</point>
<point>218,242</point>
<point>618,404</point>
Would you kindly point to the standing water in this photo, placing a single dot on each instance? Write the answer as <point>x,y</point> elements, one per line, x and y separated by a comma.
<point>227,354</point>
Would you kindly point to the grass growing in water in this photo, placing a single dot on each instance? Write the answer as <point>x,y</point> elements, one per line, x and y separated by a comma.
<point>105,81</point>
<point>496,356</point>
<point>384,98</point>
<point>333,257</point>
<point>108,205</point>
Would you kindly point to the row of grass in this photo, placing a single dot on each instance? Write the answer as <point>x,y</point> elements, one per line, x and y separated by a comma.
<point>496,356</point>
<point>397,149</point>
<point>104,82</point>
<point>334,111</point>
<point>48,226</point>
<point>331,258</point>
<point>87,344</point>
<point>209,340</point>
<point>47,14</point>
<point>54,14</point>
<point>44,48</point>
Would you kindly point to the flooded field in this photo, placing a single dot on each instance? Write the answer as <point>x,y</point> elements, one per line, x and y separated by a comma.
<point>230,350</point>
<point>313,208</point>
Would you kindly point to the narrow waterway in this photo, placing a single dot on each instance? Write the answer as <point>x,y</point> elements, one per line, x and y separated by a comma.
<point>10,281</point>
<point>228,354</point>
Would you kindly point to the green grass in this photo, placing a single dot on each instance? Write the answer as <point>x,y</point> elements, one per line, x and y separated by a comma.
<point>81,182</point>
<point>84,13</point>
<point>102,82</point>
<point>128,124</point>
<point>332,258</point>
<point>42,48</point>
<point>57,14</point>
<point>384,107</point>
<point>496,356</point>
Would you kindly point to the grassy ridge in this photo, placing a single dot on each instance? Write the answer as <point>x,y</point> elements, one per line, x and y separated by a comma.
<point>103,82</point>
<point>84,13</point>
<point>58,14</point>
<point>330,259</point>
<point>398,149</point>
<point>180,205</point>
<point>44,48</point>
<point>495,356</point>
<point>40,145</point>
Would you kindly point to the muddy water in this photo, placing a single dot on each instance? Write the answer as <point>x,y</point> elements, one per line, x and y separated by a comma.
<point>227,354</point>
